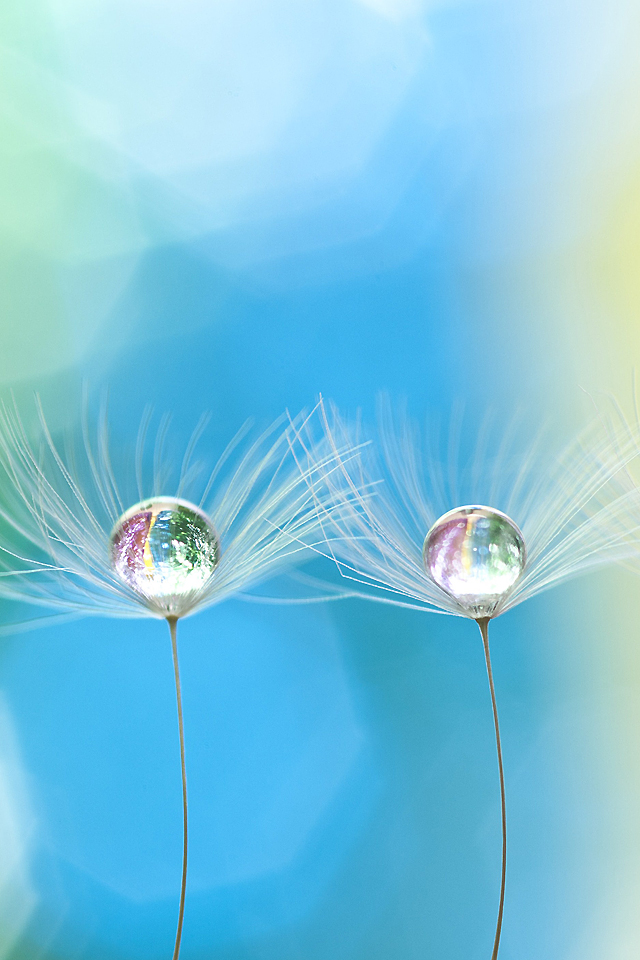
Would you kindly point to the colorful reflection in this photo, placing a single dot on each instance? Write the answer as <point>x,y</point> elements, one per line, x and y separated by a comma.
<point>476,554</point>
<point>166,550</point>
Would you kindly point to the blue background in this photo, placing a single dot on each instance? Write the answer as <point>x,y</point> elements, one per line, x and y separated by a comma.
<point>234,207</point>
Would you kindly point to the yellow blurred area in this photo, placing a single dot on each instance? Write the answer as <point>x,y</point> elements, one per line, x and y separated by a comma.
<point>612,273</point>
<point>617,257</point>
<point>592,285</point>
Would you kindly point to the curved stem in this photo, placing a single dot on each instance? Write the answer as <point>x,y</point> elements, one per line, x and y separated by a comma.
<point>483,623</point>
<point>173,621</point>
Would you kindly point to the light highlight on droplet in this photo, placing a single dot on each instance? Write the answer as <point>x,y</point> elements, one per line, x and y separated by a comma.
<point>476,554</point>
<point>166,550</point>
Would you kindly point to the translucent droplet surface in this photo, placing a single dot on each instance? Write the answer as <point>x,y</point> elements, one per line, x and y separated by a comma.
<point>166,550</point>
<point>476,554</point>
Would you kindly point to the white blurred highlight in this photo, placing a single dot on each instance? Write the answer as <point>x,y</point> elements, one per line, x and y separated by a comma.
<point>393,9</point>
<point>17,897</point>
<point>224,103</point>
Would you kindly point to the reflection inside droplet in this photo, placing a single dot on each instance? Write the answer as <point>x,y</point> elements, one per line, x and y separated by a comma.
<point>166,550</point>
<point>476,554</point>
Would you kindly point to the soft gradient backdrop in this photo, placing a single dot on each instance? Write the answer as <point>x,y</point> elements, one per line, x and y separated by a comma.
<point>232,205</point>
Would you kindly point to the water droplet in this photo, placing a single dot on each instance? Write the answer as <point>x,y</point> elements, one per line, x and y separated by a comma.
<point>475,554</point>
<point>166,550</point>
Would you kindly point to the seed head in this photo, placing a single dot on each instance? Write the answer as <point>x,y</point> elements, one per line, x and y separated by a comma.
<point>72,544</point>
<point>538,514</point>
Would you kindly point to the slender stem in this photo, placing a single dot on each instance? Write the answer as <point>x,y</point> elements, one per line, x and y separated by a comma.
<point>483,623</point>
<point>173,621</point>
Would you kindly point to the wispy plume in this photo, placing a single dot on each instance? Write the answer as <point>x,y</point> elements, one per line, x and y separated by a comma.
<point>567,501</point>
<point>623,430</point>
<point>61,500</point>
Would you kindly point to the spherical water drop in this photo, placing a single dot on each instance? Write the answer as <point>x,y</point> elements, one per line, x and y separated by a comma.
<point>166,550</point>
<point>475,554</point>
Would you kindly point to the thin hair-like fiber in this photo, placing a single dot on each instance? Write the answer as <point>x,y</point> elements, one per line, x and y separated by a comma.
<point>568,505</point>
<point>58,509</point>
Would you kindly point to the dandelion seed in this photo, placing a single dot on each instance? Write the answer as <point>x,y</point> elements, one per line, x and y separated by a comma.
<point>70,543</point>
<point>396,529</point>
